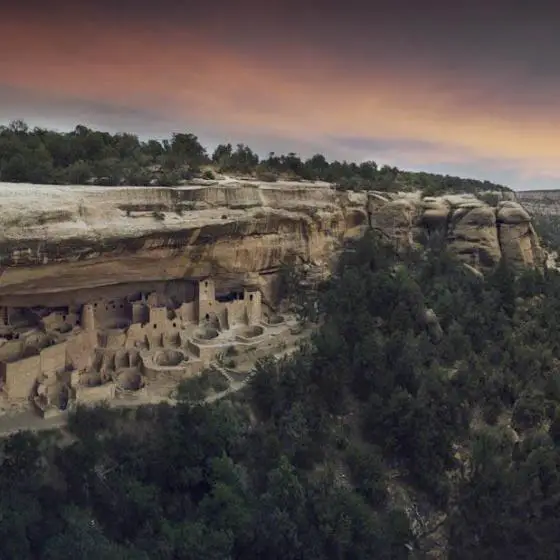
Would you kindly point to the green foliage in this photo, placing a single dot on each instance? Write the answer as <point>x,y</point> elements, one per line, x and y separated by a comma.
<point>91,156</point>
<point>263,174</point>
<point>78,173</point>
<point>168,179</point>
<point>528,412</point>
<point>368,473</point>
<point>185,148</point>
<point>196,388</point>
<point>84,155</point>
<point>240,160</point>
<point>191,390</point>
<point>492,199</point>
<point>331,451</point>
<point>416,401</point>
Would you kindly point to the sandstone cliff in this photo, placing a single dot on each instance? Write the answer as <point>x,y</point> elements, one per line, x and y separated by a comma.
<point>545,202</point>
<point>59,239</point>
<point>476,232</point>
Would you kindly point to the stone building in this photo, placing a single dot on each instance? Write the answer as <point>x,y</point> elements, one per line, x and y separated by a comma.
<point>147,333</point>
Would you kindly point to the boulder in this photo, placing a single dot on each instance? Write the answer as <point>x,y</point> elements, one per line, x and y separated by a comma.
<point>519,243</point>
<point>473,234</point>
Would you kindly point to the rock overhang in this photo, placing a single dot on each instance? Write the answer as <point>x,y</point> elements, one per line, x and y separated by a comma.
<point>57,238</point>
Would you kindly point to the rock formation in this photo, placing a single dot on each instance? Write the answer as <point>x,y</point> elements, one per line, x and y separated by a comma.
<point>477,233</point>
<point>55,240</point>
<point>108,292</point>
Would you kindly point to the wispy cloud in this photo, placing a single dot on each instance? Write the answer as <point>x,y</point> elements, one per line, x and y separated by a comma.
<point>421,93</point>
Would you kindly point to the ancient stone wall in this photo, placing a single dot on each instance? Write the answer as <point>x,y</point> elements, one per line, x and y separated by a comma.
<point>159,318</point>
<point>11,350</point>
<point>188,312</point>
<point>236,312</point>
<point>94,395</point>
<point>136,334</point>
<point>53,359</point>
<point>112,313</point>
<point>253,305</point>
<point>206,352</point>
<point>20,377</point>
<point>114,338</point>
<point>206,298</point>
<point>79,350</point>
<point>140,312</point>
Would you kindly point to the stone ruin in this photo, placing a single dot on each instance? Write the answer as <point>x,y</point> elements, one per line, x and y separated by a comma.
<point>138,345</point>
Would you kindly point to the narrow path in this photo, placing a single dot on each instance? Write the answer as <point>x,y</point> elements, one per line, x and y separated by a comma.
<point>225,373</point>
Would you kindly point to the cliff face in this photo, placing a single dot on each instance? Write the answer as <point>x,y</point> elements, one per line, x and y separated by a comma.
<point>477,233</point>
<point>545,203</point>
<point>57,239</point>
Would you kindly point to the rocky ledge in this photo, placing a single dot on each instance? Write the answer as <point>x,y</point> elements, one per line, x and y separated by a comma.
<point>57,239</point>
<point>478,233</point>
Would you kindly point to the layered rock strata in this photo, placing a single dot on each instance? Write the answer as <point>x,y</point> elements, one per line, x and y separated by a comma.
<point>56,241</point>
<point>474,231</point>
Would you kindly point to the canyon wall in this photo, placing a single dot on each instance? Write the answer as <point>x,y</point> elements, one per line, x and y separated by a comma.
<point>545,203</point>
<point>548,196</point>
<point>478,233</point>
<point>77,239</point>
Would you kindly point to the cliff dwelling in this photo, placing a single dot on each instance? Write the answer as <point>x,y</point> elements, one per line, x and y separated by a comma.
<point>134,345</point>
<point>99,300</point>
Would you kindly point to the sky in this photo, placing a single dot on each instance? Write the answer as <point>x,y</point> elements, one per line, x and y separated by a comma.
<point>469,88</point>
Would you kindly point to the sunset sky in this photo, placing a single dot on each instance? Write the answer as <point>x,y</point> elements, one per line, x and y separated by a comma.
<point>469,88</point>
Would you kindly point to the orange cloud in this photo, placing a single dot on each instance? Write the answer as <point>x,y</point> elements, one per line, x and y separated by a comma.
<point>300,94</point>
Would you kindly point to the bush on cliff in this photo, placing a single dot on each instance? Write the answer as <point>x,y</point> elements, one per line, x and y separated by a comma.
<point>84,155</point>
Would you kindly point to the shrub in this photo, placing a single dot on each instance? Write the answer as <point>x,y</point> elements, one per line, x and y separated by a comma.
<point>433,190</point>
<point>191,390</point>
<point>78,173</point>
<point>168,179</point>
<point>528,412</point>
<point>138,177</point>
<point>492,199</point>
<point>267,176</point>
<point>350,184</point>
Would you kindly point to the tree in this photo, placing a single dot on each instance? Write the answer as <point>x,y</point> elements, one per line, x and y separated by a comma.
<point>83,538</point>
<point>187,150</point>
<point>243,159</point>
<point>78,173</point>
<point>222,156</point>
<point>317,166</point>
<point>42,155</point>
<point>18,127</point>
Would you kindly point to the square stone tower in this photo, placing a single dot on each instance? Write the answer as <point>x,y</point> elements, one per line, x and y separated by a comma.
<point>88,317</point>
<point>253,304</point>
<point>4,316</point>
<point>206,299</point>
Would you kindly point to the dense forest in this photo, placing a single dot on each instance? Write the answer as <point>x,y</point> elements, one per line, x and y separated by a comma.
<point>89,156</point>
<point>424,415</point>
